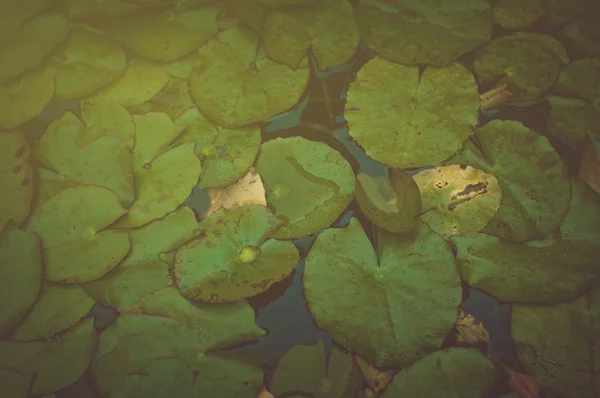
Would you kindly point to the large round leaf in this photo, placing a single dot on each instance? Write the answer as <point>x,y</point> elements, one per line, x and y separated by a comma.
<point>76,246</point>
<point>234,83</point>
<point>234,257</point>
<point>391,111</point>
<point>308,184</point>
<point>392,308</point>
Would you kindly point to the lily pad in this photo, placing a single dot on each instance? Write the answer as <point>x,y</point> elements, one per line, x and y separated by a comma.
<point>310,187</point>
<point>517,14</point>
<point>165,346</point>
<point>87,157</point>
<point>589,168</point>
<point>575,78</point>
<point>234,257</point>
<point>27,47</point>
<point>107,114</point>
<point>558,12</point>
<point>24,99</point>
<point>88,61</point>
<point>142,80</point>
<point>59,307</point>
<point>145,270</point>
<point>305,370</point>
<point>391,110</point>
<point>401,31</point>
<point>447,373</point>
<point>557,345</point>
<point>57,363</point>
<point>328,28</point>
<point>226,153</point>
<point>533,178</point>
<point>458,200</point>
<point>248,190</point>
<point>548,274</point>
<point>16,178</point>
<point>393,307</point>
<point>76,246</point>
<point>20,274</point>
<point>235,84</point>
<point>574,118</point>
<point>392,202</point>
<point>16,384</point>
<point>582,34</point>
<point>164,34</point>
<point>15,16</point>
<point>530,62</point>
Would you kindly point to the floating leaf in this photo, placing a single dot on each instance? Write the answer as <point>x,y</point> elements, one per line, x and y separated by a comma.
<point>517,14</point>
<point>234,257</point>
<point>107,114</point>
<point>16,178</point>
<point>576,76</point>
<point>76,246</point>
<point>448,373</point>
<point>58,308</point>
<point>20,274</point>
<point>458,199</point>
<point>23,50</point>
<point>533,178</point>
<point>589,168</point>
<point>377,379</point>
<point>57,363</point>
<point>235,84</point>
<point>24,99</point>
<point>412,291</point>
<point>398,31</point>
<point>145,270</point>
<point>582,34</point>
<point>165,346</point>
<point>15,384</point>
<point>525,273</point>
<point>310,187</point>
<point>468,331</point>
<point>15,16</point>
<point>305,368</point>
<point>574,118</point>
<point>248,190</point>
<point>390,109</point>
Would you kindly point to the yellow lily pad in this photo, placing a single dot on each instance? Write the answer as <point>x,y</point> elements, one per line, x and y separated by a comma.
<point>89,61</point>
<point>20,274</point>
<point>58,362</point>
<point>27,47</point>
<point>248,190</point>
<point>24,99</point>
<point>142,80</point>
<point>80,155</point>
<point>16,178</point>
<point>76,246</point>
<point>164,34</point>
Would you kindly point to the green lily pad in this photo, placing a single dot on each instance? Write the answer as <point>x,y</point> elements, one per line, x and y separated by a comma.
<point>89,61</point>
<point>400,31</point>
<point>574,118</point>
<point>234,257</point>
<point>107,114</point>
<point>76,246</point>
<point>458,200</point>
<point>16,178</point>
<point>328,28</point>
<point>91,9</point>
<point>20,274</point>
<point>391,110</point>
<point>47,184</point>
<point>226,154</point>
<point>166,346</point>
<point>16,384</point>
<point>557,345</point>
<point>529,62</point>
<point>533,178</point>
<point>164,34</point>
<point>181,68</point>
<point>283,3</point>
<point>58,308</point>
<point>15,16</point>
<point>310,187</point>
<point>582,34</point>
<point>447,373</point>
<point>517,14</point>
<point>549,274</point>
<point>392,202</point>
<point>57,363</point>
<point>250,12</point>
<point>558,12</point>
<point>142,80</point>
<point>392,308</point>
<point>235,84</point>
<point>576,77</point>
<point>24,99</point>
<point>87,157</point>
<point>304,368</point>
<point>144,270</point>
<point>26,48</point>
